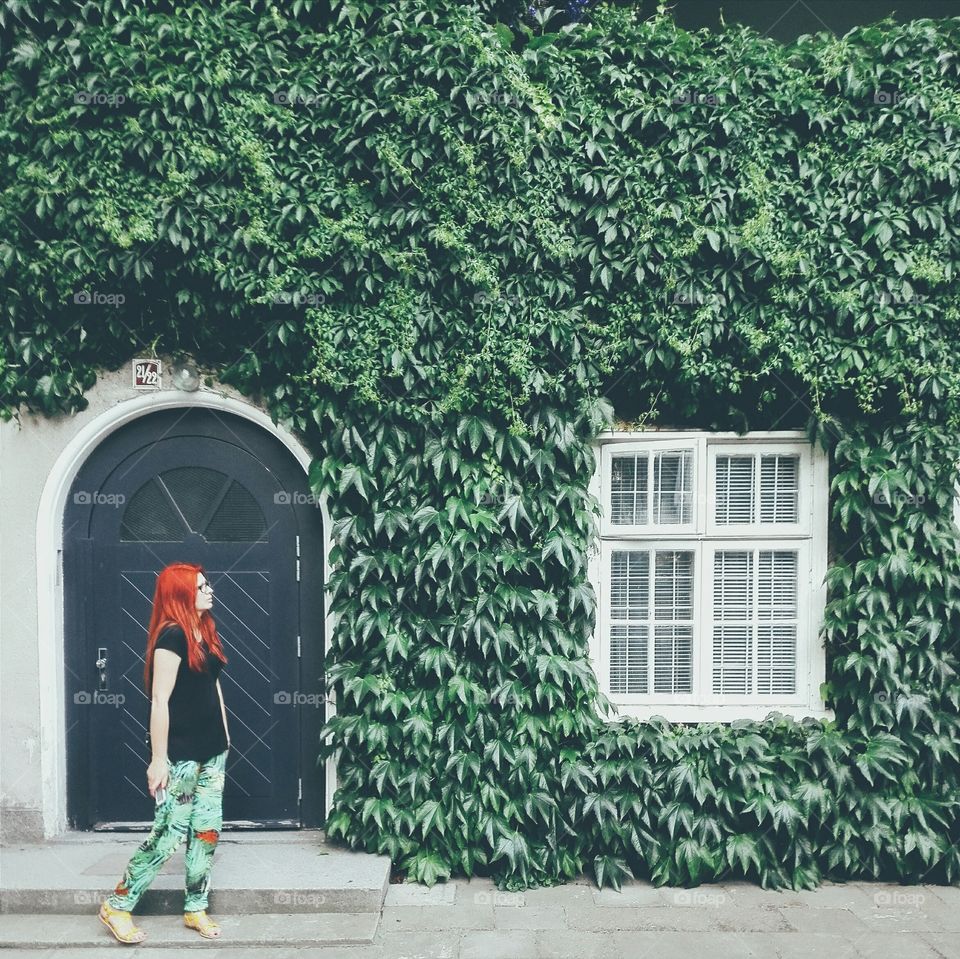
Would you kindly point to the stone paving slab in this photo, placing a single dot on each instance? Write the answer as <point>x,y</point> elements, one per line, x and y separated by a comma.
<point>517,944</point>
<point>418,945</point>
<point>416,894</point>
<point>648,945</point>
<point>420,918</point>
<point>530,917</point>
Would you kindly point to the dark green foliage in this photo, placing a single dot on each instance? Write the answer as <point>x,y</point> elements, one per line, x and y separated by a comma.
<point>433,246</point>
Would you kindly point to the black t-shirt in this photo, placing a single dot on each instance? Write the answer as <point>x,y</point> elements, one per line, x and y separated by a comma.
<point>196,722</point>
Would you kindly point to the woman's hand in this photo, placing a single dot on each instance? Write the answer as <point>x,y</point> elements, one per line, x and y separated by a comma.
<point>157,775</point>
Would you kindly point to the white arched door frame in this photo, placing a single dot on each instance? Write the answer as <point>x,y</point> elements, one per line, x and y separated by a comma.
<point>50,635</point>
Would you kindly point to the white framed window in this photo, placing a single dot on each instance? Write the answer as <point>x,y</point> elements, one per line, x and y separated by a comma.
<point>709,572</point>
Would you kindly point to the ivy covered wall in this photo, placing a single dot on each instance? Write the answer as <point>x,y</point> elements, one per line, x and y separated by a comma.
<point>449,254</point>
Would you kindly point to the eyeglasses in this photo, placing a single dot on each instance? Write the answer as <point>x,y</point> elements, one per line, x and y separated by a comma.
<point>205,587</point>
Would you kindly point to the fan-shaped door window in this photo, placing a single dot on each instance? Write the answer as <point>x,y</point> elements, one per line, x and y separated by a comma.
<point>197,499</point>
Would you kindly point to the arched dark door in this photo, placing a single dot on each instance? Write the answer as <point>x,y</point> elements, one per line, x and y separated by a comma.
<point>206,487</point>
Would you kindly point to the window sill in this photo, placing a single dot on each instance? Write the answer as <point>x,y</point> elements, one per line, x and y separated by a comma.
<point>680,713</point>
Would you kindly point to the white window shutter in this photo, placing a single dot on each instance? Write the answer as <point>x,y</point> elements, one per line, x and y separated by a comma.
<point>734,489</point>
<point>629,620</point>
<point>777,621</point>
<point>732,627</point>
<point>673,487</point>
<point>755,617</point>
<point>673,622</point>
<point>779,487</point>
<point>640,608</point>
<point>629,500</point>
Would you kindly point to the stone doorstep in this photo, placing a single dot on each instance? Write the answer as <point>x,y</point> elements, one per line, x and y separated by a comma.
<point>259,876</point>
<point>229,835</point>
<point>264,930</point>
<point>157,901</point>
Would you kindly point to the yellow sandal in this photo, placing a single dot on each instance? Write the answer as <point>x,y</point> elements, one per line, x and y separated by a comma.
<point>202,923</point>
<point>112,918</point>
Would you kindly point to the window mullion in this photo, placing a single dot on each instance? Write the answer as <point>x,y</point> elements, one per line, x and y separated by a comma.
<point>754,599</point>
<point>756,506</point>
<point>651,611</point>
<point>701,617</point>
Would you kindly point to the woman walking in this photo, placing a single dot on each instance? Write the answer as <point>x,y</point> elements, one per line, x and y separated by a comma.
<point>188,732</point>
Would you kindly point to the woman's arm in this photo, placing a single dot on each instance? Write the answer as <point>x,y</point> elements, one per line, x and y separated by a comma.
<point>165,666</point>
<point>223,710</point>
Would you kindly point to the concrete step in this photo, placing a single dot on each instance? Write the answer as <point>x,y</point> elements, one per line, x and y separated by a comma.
<point>266,930</point>
<point>263,873</point>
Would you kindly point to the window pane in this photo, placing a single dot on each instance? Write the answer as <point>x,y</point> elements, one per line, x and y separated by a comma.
<point>629,504</point>
<point>777,588</point>
<point>733,584</point>
<point>628,658</point>
<point>673,487</point>
<point>673,615</point>
<point>779,488</point>
<point>673,585</point>
<point>629,584</point>
<point>732,665</point>
<point>673,659</point>
<point>631,625</point>
<point>755,609</point>
<point>734,489</point>
<point>732,631</point>
<point>777,659</point>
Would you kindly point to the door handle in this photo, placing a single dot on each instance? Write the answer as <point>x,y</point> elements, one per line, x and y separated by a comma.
<point>102,667</point>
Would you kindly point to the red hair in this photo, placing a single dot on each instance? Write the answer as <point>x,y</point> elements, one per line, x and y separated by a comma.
<point>175,602</point>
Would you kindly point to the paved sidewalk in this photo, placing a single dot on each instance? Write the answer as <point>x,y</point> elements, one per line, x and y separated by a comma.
<point>473,920</point>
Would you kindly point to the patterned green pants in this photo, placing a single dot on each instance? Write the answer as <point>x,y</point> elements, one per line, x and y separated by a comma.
<point>193,810</point>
